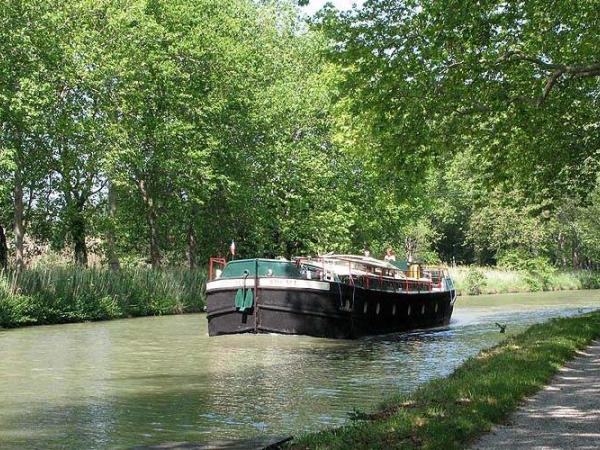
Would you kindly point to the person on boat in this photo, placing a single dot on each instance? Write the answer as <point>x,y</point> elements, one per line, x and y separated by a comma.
<point>366,251</point>
<point>389,255</point>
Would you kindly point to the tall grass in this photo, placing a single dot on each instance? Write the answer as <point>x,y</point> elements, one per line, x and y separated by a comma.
<point>490,280</point>
<point>67,294</point>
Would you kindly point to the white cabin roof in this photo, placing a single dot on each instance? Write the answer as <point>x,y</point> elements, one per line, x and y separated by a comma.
<point>339,264</point>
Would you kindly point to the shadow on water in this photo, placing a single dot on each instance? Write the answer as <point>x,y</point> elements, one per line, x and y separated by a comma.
<point>162,380</point>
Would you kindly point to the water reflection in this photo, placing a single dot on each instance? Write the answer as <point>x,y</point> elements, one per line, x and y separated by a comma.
<point>153,380</point>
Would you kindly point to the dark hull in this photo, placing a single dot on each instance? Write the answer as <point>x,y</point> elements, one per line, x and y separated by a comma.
<point>340,312</point>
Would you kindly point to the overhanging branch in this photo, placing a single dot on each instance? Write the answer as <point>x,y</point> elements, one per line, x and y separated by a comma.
<point>558,70</point>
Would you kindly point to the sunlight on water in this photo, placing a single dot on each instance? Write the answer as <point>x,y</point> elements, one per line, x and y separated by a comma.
<point>153,380</point>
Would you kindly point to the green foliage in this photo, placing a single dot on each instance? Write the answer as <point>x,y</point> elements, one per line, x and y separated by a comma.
<point>589,279</point>
<point>539,274</point>
<point>497,281</point>
<point>514,259</point>
<point>13,305</point>
<point>433,77</point>
<point>450,413</point>
<point>475,281</point>
<point>538,271</point>
<point>496,100</point>
<point>589,223</point>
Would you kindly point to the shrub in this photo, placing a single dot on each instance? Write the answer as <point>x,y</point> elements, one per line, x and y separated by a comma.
<point>538,270</point>
<point>513,259</point>
<point>475,281</point>
<point>539,273</point>
<point>589,279</point>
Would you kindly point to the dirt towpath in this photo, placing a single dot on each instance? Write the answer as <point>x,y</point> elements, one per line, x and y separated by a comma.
<point>563,415</point>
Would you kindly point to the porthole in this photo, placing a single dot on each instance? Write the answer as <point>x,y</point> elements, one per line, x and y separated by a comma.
<point>394,310</point>
<point>365,308</point>
<point>377,309</point>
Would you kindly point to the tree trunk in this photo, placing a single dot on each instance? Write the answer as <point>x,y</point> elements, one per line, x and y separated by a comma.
<point>192,246</point>
<point>113,259</point>
<point>575,253</point>
<point>19,226</point>
<point>192,241</point>
<point>155,258</point>
<point>3,251</point>
<point>561,250</point>
<point>410,248</point>
<point>75,203</point>
<point>78,233</point>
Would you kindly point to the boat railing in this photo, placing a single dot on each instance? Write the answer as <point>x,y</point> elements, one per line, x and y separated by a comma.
<point>329,268</point>
<point>389,284</point>
<point>439,276</point>
<point>215,265</point>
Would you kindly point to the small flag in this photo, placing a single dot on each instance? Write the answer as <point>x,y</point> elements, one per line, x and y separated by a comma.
<point>232,248</point>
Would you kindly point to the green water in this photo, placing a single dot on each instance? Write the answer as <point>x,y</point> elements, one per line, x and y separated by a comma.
<point>154,380</point>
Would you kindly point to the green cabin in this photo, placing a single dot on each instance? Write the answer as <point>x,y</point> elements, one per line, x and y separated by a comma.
<point>262,267</point>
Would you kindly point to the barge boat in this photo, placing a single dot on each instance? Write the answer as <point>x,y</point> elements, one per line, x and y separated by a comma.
<point>336,296</point>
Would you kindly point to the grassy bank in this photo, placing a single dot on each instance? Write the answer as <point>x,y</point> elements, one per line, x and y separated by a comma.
<point>490,280</point>
<point>449,413</point>
<point>62,295</point>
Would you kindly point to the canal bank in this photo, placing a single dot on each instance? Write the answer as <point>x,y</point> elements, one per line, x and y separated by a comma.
<point>451,412</point>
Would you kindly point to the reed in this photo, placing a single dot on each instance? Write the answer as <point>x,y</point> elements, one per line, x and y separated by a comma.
<point>69,294</point>
<point>473,280</point>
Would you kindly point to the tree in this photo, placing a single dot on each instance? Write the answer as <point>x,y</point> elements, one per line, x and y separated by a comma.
<point>163,107</point>
<point>517,80</point>
<point>589,224</point>
<point>29,72</point>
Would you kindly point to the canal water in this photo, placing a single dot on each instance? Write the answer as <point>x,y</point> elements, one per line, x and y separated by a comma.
<point>155,380</point>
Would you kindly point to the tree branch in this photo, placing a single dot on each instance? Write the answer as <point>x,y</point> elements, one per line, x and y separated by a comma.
<point>549,85</point>
<point>558,70</point>
<point>517,55</point>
